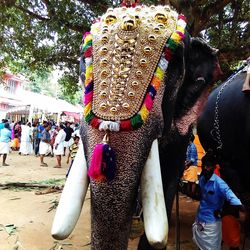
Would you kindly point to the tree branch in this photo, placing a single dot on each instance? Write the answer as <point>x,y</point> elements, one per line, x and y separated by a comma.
<point>213,22</point>
<point>205,14</point>
<point>51,11</point>
<point>213,8</point>
<point>232,54</point>
<point>78,28</point>
<point>94,3</point>
<point>31,13</point>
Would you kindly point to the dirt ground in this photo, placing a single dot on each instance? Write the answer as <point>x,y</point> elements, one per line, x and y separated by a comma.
<point>25,219</point>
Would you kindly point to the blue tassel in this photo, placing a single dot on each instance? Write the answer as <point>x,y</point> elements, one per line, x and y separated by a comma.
<point>108,162</point>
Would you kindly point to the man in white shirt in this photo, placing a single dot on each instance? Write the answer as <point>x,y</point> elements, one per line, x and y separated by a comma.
<point>59,145</point>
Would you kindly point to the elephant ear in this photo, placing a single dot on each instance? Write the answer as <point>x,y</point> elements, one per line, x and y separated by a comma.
<point>201,65</point>
<point>173,81</point>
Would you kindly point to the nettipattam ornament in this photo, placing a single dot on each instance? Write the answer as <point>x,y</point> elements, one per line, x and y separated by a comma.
<point>126,55</point>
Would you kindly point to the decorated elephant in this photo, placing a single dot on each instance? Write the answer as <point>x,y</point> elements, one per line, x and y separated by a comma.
<point>224,127</point>
<point>145,80</point>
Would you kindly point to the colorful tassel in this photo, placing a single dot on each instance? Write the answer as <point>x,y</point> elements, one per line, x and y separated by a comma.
<point>103,163</point>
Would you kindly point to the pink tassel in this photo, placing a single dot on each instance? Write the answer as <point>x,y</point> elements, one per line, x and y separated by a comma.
<point>103,162</point>
<point>95,168</point>
<point>148,102</point>
<point>88,98</point>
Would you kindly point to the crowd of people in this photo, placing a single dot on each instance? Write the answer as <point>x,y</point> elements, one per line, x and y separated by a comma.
<point>41,139</point>
<point>217,216</point>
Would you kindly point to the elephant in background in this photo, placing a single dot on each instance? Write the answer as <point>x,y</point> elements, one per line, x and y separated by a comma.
<point>224,127</point>
<point>177,103</point>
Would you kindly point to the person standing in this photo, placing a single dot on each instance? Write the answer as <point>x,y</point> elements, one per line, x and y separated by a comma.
<point>59,145</point>
<point>68,140</point>
<point>18,130</point>
<point>2,124</point>
<point>12,125</point>
<point>5,138</point>
<point>40,129</point>
<point>53,134</point>
<point>207,232</point>
<point>45,147</point>
<point>26,139</point>
<point>72,152</point>
<point>34,135</point>
<point>191,171</point>
<point>76,130</point>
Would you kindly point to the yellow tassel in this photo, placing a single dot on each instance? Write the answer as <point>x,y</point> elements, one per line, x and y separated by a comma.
<point>87,108</point>
<point>181,29</point>
<point>89,79</point>
<point>159,73</point>
<point>144,113</point>
<point>87,38</point>
<point>176,37</point>
<point>89,70</point>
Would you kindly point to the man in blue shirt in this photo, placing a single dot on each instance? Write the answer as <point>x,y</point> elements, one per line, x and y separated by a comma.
<point>191,156</point>
<point>38,138</point>
<point>2,124</point>
<point>214,191</point>
<point>45,147</point>
<point>190,173</point>
<point>5,137</point>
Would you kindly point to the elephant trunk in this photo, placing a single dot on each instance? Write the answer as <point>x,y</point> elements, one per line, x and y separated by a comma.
<point>113,203</point>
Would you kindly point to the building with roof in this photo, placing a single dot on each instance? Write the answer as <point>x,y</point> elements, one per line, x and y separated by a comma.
<point>18,104</point>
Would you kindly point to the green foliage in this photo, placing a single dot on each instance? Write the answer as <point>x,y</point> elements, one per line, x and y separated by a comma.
<point>70,90</point>
<point>51,182</point>
<point>40,35</point>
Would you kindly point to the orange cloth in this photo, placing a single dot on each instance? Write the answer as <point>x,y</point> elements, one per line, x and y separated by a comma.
<point>190,174</point>
<point>200,149</point>
<point>230,231</point>
<point>15,143</point>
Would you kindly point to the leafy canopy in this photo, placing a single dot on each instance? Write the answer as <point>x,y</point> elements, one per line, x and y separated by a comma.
<point>41,35</point>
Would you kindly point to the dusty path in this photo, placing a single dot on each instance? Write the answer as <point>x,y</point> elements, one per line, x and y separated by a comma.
<point>28,212</point>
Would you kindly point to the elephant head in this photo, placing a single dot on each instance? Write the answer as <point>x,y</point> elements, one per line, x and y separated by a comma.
<point>223,127</point>
<point>127,108</point>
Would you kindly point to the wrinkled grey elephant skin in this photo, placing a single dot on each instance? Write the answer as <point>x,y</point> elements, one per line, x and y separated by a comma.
<point>234,128</point>
<point>113,203</point>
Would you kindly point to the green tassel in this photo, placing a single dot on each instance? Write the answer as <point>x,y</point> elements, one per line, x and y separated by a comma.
<point>89,117</point>
<point>136,121</point>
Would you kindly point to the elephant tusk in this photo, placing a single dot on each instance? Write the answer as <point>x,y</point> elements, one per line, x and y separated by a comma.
<point>72,198</point>
<point>154,209</point>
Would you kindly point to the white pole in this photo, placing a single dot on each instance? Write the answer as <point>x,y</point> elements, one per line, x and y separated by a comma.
<point>58,117</point>
<point>31,111</point>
